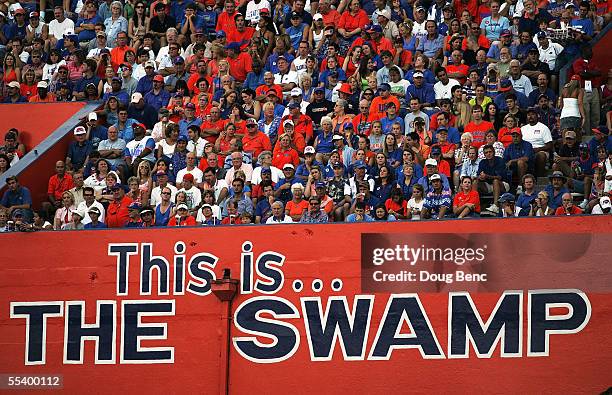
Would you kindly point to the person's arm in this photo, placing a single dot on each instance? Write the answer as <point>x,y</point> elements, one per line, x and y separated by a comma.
<point>222,195</point>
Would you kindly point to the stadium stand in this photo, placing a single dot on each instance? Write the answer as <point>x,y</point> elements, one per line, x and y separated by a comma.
<point>181,113</point>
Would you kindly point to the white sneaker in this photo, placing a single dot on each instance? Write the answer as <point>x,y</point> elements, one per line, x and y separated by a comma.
<point>583,205</point>
<point>519,190</point>
<point>493,209</point>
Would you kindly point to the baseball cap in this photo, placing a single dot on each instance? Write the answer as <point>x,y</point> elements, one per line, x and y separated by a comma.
<point>531,109</point>
<point>233,46</point>
<point>602,130</point>
<point>79,130</point>
<point>319,89</point>
<point>42,84</point>
<point>19,11</point>
<point>149,63</point>
<point>570,134</point>
<point>583,146</point>
<point>190,106</point>
<point>516,131</point>
<point>266,170</point>
<point>317,16</point>
<point>309,150</point>
<point>182,206</point>
<point>146,211</point>
<point>34,14</point>
<point>271,92</point>
<point>206,206</point>
<point>431,162</point>
<point>220,34</point>
<point>570,5</point>
<point>139,125</point>
<point>188,177</point>
<point>288,122</point>
<point>506,197</point>
<point>179,60</point>
<point>101,33</point>
<point>116,79</point>
<point>505,85</point>
<point>92,116</point>
<point>182,138</point>
<point>604,202</point>
<point>417,74</point>
<point>134,206</point>
<point>375,29</point>
<point>320,184</point>
<point>158,78</point>
<point>288,166</point>
<point>435,176</point>
<point>80,212</point>
<point>94,209</point>
<point>384,87</point>
<point>251,121</point>
<point>296,92</point>
<point>17,212</point>
<point>337,137</point>
<point>295,14</point>
<point>264,11</point>
<point>505,33</point>
<point>14,84</point>
<point>348,125</point>
<point>386,13</point>
<point>118,187</point>
<point>541,35</point>
<point>359,164</point>
<point>346,88</point>
<point>161,173</point>
<point>293,105</point>
<point>557,174</point>
<point>337,165</point>
<point>435,151</point>
<point>136,97</point>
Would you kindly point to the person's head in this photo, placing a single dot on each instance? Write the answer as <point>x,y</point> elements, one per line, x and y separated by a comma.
<point>528,182</point>
<point>567,200</point>
<point>60,168</point>
<point>67,199</point>
<point>466,183</point>
<point>477,113</point>
<point>436,182</point>
<point>532,116</point>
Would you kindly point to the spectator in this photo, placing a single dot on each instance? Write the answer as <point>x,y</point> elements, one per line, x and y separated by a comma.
<point>118,213</point>
<point>492,177</point>
<point>467,201</point>
<point>539,136</point>
<point>16,197</point>
<point>567,207</point>
<point>437,201</point>
<point>556,189</point>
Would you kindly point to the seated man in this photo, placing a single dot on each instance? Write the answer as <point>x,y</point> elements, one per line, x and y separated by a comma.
<point>437,201</point>
<point>567,207</point>
<point>519,155</point>
<point>508,206</point>
<point>492,177</point>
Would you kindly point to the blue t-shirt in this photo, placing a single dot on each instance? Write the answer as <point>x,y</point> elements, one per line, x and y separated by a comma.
<point>493,28</point>
<point>87,35</point>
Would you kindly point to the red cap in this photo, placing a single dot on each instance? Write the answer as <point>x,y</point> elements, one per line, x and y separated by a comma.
<point>575,77</point>
<point>158,78</point>
<point>188,177</point>
<point>264,10</point>
<point>346,88</point>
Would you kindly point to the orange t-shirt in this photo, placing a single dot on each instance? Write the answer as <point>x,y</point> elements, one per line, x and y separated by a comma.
<point>293,208</point>
<point>462,198</point>
<point>378,108</point>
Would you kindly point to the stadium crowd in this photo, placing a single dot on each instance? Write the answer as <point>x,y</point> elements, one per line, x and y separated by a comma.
<point>224,112</point>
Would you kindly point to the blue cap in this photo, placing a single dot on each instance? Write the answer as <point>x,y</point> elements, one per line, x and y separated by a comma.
<point>319,89</point>
<point>293,105</point>
<point>120,186</point>
<point>384,87</point>
<point>583,146</point>
<point>182,138</point>
<point>134,206</point>
<point>320,184</point>
<point>234,46</point>
<point>506,197</point>
<point>348,125</point>
<point>220,34</point>
<point>266,170</point>
<point>359,164</point>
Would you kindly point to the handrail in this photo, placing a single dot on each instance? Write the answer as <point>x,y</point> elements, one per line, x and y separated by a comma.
<point>44,146</point>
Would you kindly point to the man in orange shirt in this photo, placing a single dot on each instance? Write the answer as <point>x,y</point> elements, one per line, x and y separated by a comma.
<point>59,183</point>
<point>255,141</point>
<point>262,90</point>
<point>118,53</point>
<point>43,95</point>
<point>225,22</point>
<point>117,214</point>
<point>331,17</point>
<point>241,33</point>
<point>302,123</point>
<point>212,127</point>
<point>478,127</point>
<point>378,108</point>
<point>240,62</point>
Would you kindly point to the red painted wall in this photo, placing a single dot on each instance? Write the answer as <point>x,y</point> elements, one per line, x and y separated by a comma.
<point>36,122</point>
<point>75,266</point>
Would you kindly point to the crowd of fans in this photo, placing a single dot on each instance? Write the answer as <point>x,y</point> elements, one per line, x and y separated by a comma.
<point>224,112</point>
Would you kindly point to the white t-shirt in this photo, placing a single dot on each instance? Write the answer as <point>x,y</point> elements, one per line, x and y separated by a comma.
<point>194,197</point>
<point>84,208</point>
<point>198,146</point>
<point>156,194</point>
<point>196,173</point>
<point>277,174</point>
<point>523,85</point>
<point>216,213</point>
<point>57,29</point>
<point>538,135</point>
<point>444,91</point>
<point>286,220</point>
<point>252,10</point>
<point>287,78</point>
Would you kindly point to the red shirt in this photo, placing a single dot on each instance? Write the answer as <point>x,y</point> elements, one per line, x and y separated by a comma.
<point>118,56</point>
<point>230,221</point>
<point>478,131</point>
<point>58,186</point>
<point>226,22</point>
<point>331,18</point>
<point>349,22</point>
<point>217,125</point>
<point>295,209</point>
<point>378,108</point>
<point>240,66</point>
<point>188,221</point>
<point>581,65</point>
<point>397,207</point>
<point>462,198</point>
<point>462,68</point>
<point>117,213</point>
<point>256,144</point>
<point>262,90</point>
<point>282,157</point>
<point>470,5</point>
<point>234,36</point>
<point>303,126</point>
<point>574,210</point>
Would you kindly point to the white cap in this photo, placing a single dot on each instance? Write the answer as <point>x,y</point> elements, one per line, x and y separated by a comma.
<point>431,162</point>
<point>136,97</point>
<point>337,137</point>
<point>14,84</point>
<point>288,166</point>
<point>386,13</point>
<point>92,116</point>
<point>288,122</point>
<point>604,202</point>
<point>80,212</point>
<point>42,84</point>
<point>79,130</point>
<point>296,92</point>
<point>69,32</point>
<point>182,206</point>
<point>317,16</point>
<point>149,63</point>
<point>435,176</point>
<point>309,150</point>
